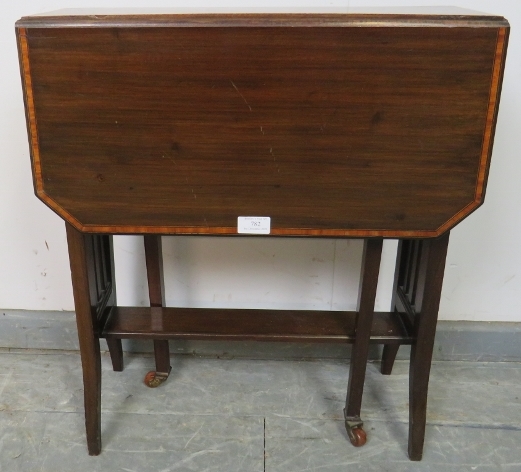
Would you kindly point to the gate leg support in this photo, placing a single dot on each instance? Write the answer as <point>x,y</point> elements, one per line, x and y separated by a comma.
<point>388,357</point>
<point>364,321</point>
<point>156,291</point>
<point>82,268</point>
<point>432,267</point>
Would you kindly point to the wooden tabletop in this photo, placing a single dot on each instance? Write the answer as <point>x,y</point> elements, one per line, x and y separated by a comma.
<point>329,124</point>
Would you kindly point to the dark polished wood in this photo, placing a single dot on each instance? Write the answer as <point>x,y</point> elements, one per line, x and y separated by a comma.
<point>420,269</point>
<point>86,299</point>
<point>93,283</point>
<point>156,291</point>
<point>261,17</point>
<point>106,257</point>
<point>390,351</point>
<point>333,125</point>
<point>253,325</point>
<point>271,105</point>
<point>364,321</point>
<point>116,354</point>
<point>426,304</point>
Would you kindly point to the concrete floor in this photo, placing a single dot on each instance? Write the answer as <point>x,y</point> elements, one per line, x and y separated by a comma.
<point>253,415</point>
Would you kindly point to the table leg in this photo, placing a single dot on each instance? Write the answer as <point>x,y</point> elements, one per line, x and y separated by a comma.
<point>106,281</point>
<point>156,291</point>
<point>116,353</point>
<point>364,320</point>
<point>391,350</point>
<point>426,305</point>
<point>85,301</point>
<point>388,357</point>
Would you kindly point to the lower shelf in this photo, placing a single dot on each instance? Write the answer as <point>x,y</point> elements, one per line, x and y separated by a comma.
<point>239,324</point>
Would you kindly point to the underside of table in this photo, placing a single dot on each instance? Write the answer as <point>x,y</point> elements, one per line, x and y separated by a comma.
<point>416,293</point>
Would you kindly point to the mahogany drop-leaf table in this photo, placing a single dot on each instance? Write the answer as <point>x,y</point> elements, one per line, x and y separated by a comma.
<point>327,125</point>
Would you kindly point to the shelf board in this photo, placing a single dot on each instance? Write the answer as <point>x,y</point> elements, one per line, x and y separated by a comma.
<point>241,324</point>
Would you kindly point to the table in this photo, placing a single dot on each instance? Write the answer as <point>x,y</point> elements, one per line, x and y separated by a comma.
<point>339,125</point>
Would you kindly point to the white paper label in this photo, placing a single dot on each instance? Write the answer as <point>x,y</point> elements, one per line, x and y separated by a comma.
<point>253,224</point>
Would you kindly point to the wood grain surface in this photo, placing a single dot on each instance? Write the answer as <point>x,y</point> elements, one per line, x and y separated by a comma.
<point>330,131</point>
<point>257,325</point>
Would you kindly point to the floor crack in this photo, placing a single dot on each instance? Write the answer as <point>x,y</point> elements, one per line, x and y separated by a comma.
<point>264,445</point>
